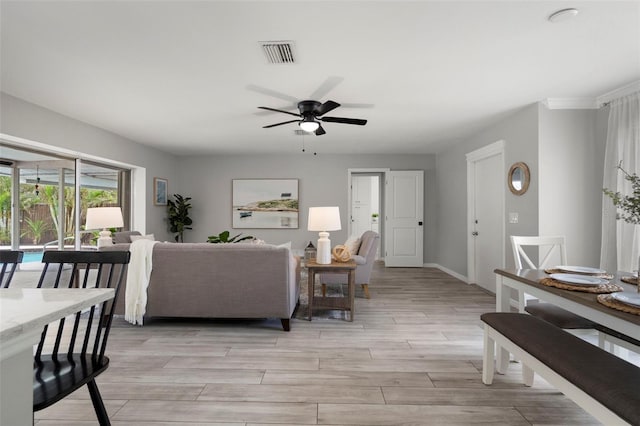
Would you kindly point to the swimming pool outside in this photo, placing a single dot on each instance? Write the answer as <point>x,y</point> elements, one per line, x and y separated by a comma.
<point>32,257</point>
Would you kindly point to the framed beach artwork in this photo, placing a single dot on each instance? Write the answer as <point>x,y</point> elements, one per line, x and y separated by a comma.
<point>160,189</point>
<point>265,203</point>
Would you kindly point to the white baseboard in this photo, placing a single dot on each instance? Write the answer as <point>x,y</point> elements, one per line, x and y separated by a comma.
<point>447,271</point>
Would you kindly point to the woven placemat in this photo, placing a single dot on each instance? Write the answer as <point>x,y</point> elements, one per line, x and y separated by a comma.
<point>629,280</point>
<point>561,271</point>
<point>610,302</point>
<point>597,289</point>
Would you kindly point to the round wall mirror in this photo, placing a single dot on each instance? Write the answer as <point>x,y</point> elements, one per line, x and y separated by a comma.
<point>518,178</point>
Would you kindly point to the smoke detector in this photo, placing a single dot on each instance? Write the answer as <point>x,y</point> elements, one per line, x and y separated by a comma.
<point>278,52</point>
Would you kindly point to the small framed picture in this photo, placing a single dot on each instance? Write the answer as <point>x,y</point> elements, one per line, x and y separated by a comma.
<point>160,190</point>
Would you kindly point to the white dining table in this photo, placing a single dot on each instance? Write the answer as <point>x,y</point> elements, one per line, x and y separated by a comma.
<point>581,303</point>
<point>23,315</point>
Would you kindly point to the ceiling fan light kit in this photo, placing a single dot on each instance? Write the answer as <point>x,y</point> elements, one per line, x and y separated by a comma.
<point>309,125</point>
<point>311,115</point>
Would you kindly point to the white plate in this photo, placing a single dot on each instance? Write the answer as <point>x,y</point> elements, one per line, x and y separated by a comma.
<point>578,279</point>
<point>581,269</point>
<point>627,298</point>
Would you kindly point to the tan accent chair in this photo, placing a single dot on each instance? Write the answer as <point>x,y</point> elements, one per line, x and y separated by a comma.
<point>364,259</point>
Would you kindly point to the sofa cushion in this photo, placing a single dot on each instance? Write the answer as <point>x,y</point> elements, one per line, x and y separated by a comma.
<point>124,237</point>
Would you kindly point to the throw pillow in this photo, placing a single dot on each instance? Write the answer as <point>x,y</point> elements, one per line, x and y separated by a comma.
<point>142,237</point>
<point>353,244</point>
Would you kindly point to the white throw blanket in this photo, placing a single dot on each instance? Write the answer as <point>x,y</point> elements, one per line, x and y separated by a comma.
<point>139,272</point>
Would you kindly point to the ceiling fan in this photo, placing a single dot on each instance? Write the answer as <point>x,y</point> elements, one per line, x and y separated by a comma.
<point>312,113</point>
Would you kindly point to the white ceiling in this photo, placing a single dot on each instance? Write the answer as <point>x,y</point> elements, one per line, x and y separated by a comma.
<point>187,77</point>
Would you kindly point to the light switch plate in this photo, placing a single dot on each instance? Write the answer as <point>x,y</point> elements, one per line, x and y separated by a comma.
<point>513,217</point>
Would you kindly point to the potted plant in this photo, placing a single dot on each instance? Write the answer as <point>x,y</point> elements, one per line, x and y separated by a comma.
<point>179,219</point>
<point>628,204</point>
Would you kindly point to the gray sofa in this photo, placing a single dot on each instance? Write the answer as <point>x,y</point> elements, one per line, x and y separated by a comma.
<point>202,280</point>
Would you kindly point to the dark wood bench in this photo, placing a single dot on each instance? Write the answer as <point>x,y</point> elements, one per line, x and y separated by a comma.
<point>602,384</point>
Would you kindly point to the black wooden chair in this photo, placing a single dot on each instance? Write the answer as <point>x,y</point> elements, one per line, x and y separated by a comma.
<point>9,260</point>
<point>71,352</point>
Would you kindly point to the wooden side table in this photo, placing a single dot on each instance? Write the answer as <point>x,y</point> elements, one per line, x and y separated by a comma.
<point>342,303</point>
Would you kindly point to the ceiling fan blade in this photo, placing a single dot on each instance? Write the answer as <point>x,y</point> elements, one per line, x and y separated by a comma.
<point>279,110</point>
<point>320,131</point>
<point>326,107</point>
<point>273,93</point>
<point>291,108</point>
<point>280,124</point>
<point>356,121</point>
<point>351,105</point>
<point>328,85</point>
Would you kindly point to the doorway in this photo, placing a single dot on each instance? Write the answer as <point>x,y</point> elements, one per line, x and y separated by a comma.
<point>365,204</point>
<point>366,195</point>
<point>485,210</point>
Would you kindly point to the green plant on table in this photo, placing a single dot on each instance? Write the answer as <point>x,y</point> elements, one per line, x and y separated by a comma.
<point>629,204</point>
<point>223,237</point>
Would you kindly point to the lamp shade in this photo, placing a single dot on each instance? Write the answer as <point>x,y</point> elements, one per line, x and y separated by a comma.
<point>104,217</point>
<point>324,219</point>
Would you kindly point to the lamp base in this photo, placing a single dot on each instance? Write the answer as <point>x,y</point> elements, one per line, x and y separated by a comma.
<point>105,239</point>
<point>323,256</point>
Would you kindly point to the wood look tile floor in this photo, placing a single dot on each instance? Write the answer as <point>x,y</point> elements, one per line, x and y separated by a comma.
<point>413,356</point>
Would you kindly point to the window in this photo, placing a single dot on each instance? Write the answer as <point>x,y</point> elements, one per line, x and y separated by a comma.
<point>50,206</point>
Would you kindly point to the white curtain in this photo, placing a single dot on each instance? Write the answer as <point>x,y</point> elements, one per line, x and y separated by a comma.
<point>620,240</point>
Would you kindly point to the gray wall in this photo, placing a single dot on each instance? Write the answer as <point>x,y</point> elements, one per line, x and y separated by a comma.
<point>28,121</point>
<point>571,151</point>
<point>569,143</point>
<point>520,133</point>
<point>564,150</point>
<point>322,181</point>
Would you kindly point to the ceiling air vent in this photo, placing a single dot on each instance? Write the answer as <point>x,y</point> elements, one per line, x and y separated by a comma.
<point>278,52</point>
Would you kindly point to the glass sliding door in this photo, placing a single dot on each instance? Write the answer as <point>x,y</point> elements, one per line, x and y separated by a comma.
<point>44,200</point>
<point>46,204</point>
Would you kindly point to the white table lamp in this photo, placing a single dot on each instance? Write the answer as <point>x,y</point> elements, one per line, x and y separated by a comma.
<point>103,218</point>
<point>324,219</point>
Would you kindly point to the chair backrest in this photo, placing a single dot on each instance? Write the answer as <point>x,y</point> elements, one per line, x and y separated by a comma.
<point>9,260</point>
<point>90,329</point>
<point>550,244</point>
<point>368,248</point>
<point>368,245</point>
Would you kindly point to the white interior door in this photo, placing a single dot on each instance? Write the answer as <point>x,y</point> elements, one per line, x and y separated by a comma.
<point>360,204</point>
<point>487,227</point>
<point>404,216</point>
